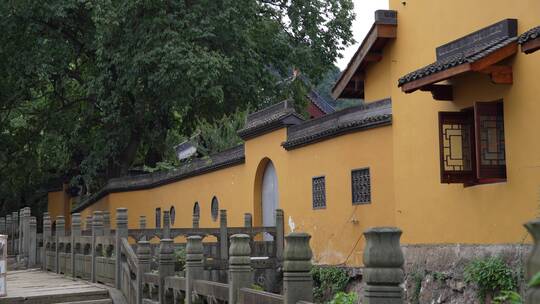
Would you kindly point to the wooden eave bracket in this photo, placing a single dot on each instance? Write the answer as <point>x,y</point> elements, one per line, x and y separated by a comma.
<point>440,91</point>
<point>500,74</point>
<point>369,51</point>
<point>531,46</point>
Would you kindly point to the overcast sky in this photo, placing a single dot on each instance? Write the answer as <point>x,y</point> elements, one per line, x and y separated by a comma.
<point>365,10</point>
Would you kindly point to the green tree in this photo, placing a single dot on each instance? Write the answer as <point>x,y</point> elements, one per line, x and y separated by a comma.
<point>90,89</point>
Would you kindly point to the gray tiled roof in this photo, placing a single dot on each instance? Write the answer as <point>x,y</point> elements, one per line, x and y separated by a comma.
<point>199,166</point>
<point>472,55</point>
<point>366,116</point>
<point>268,119</point>
<point>320,102</point>
<point>529,35</point>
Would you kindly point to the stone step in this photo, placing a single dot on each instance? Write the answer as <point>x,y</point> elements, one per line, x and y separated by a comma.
<point>56,298</point>
<point>101,301</point>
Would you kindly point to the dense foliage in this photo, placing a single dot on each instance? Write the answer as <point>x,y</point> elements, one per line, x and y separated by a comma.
<point>345,298</point>
<point>491,275</point>
<point>328,281</point>
<point>91,88</point>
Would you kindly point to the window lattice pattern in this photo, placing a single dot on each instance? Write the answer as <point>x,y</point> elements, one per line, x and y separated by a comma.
<point>361,186</point>
<point>456,147</point>
<point>492,140</point>
<point>319,192</point>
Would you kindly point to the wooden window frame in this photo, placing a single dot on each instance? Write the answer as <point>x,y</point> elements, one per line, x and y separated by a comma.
<point>479,173</point>
<point>314,206</point>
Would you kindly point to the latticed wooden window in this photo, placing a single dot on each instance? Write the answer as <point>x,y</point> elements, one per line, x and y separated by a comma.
<point>214,208</point>
<point>361,186</point>
<point>319,192</point>
<point>471,144</point>
<point>456,140</point>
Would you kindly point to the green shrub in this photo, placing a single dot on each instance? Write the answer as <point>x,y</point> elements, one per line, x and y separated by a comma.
<point>179,259</point>
<point>344,298</point>
<point>328,281</point>
<point>491,275</point>
<point>508,297</point>
<point>417,278</point>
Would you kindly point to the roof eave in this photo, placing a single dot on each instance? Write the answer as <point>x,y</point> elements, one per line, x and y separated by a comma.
<point>369,51</point>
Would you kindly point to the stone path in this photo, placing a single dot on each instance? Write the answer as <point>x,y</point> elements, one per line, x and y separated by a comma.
<point>35,286</point>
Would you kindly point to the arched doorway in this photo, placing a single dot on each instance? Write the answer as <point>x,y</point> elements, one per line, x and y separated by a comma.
<point>269,196</point>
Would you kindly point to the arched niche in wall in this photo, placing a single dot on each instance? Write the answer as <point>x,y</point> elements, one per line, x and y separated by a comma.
<point>172,213</point>
<point>266,194</point>
<point>214,208</point>
<point>158,218</point>
<point>196,209</point>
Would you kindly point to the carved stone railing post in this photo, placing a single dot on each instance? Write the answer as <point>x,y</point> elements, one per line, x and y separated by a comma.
<point>166,224</point>
<point>20,249</point>
<point>47,238</point>
<point>106,223</point>
<point>223,235</point>
<point>121,232</point>
<point>144,255</point>
<point>26,227</point>
<point>248,220</point>
<point>75,234</point>
<point>142,222</point>
<point>196,218</point>
<point>297,280</point>
<point>142,225</point>
<point>88,223</point>
<point>280,234</point>
<point>9,233</point>
<point>166,265</point>
<point>97,230</point>
<point>383,262</point>
<point>194,264</point>
<point>32,241</point>
<point>15,229</point>
<point>240,272</point>
<point>3,225</point>
<point>60,232</point>
<point>532,265</point>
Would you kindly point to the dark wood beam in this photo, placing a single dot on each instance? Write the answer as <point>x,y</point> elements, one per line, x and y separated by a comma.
<point>499,74</point>
<point>373,57</point>
<point>414,85</point>
<point>495,57</point>
<point>440,91</point>
<point>531,46</point>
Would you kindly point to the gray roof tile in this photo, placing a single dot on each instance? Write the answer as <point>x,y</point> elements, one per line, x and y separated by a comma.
<point>529,35</point>
<point>195,167</point>
<point>366,116</point>
<point>472,55</point>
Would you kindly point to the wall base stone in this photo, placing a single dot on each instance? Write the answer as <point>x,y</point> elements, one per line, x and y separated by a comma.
<point>434,273</point>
